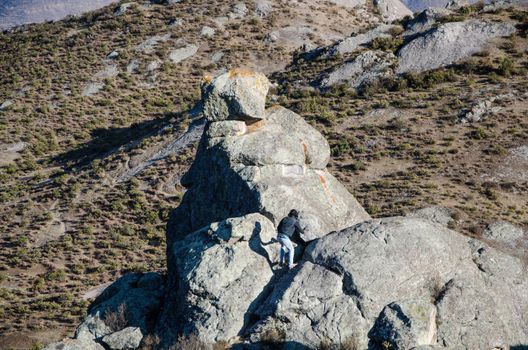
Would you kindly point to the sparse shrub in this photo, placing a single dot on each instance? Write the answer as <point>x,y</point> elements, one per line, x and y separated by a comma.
<point>506,67</point>
<point>117,319</point>
<point>387,43</point>
<point>273,336</point>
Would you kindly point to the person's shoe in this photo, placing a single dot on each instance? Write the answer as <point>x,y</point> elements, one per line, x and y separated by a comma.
<point>292,266</point>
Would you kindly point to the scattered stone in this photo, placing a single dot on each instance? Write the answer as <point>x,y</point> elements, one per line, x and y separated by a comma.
<point>392,10</point>
<point>457,4</point>
<point>296,36</point>
<point>154,65</point>
<point>448,44</point>
<point>6,104</point>
<point>112,55</point>
<point>239,10</point>
<point>132,67</point>
<point>237,94</point>
<point>217,56</point>
<point>181,54</point>
<point>405,325</point>
<point>479,111</point>
<point>108,71</point>
<point>123,8</point>
<point>439,215</point>
<point>355,42</point>
<point>504,232</point>
<point>263,8</point>
<point>207,32</point>
<point>175,22</point>
<point>501,5</point>
<point>125,339</point>
<point>10,152</point>
<point>365,69</point>
<point>149,44</point>
<point>92,88</point>
<point>426,20</point>
<point>349,3</point>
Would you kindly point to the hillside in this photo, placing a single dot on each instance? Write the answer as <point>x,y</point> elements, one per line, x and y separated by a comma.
<point>98,126</point>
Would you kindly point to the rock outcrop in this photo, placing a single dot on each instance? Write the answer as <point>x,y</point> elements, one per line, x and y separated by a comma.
<point>392,10</point>
<point>448,44</point>
<point>355,42</point>
<point>365,69</point>
<point>120,316</point>
<point>379,267</point>
<point>250,160</point>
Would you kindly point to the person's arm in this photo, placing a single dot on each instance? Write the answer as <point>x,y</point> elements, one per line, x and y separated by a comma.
<point>298,226</point>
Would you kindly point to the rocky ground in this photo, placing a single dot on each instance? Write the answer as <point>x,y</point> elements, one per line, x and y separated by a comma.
<point>98,128</point>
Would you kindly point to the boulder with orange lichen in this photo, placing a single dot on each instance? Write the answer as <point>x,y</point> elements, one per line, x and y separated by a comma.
<point>250,160</point>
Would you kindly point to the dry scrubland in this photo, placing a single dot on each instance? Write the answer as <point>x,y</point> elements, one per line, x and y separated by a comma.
<point>67,225</point>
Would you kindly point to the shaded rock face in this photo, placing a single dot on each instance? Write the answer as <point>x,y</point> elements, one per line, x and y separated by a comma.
<point>448,44</point>
<point>355,42</point>
<point>254,161</point>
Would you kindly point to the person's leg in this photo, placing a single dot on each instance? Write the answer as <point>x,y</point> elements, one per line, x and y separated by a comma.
<point>282,250</point>
<point>291,251</point>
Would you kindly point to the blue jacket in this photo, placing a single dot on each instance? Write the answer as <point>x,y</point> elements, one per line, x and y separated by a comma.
<point>289,225</point>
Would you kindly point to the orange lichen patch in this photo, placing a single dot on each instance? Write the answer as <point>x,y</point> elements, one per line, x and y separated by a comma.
<point>241,72</point>
<point>305,148</point>
<point>207,78</point>
<point>255,126</point>
<point>323,181</point>
<point>275,106</point>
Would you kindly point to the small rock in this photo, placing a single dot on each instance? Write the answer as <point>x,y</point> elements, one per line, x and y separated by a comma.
<point>263,8</point>
<point>149,44</point>
<point>128,338</point>
<point>239,10</point>
<point>480,110</point>
<point>132,66</point>
<point>6,104</point>
<point>175,22</point>
<point>92,88</point>
<point>178,55</point>
<point>207,32</point>
<point>123,8</point>
<point>217,56</point>
<point>405,325</point>
<point>154,65</point>
<point>113,55</point>
<point>236,94</point>
<point>456,4</point>
<point>109,71</point>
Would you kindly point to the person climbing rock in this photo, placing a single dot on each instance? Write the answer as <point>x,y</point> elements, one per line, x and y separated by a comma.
<point>287,228</point>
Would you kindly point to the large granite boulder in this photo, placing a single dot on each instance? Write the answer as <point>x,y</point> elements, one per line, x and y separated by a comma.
<point>222,271</point>
<point>448,44</point>
<point>477,292</point>
<point>237,94</point>
<point>249,160</point>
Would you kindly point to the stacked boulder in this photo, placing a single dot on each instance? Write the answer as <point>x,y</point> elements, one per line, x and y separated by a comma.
<point>253,165</point>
